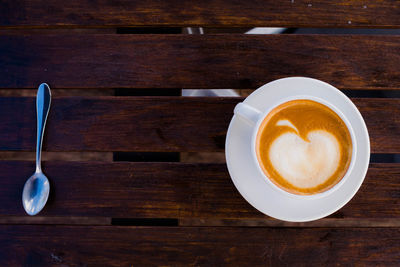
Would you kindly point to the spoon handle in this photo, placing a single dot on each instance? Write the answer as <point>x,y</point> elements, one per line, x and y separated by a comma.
<point>43,100</point>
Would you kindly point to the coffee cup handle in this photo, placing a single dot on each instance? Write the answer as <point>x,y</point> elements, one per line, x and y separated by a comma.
<point>247,112</point>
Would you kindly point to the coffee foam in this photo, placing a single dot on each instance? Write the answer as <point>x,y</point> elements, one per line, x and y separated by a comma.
<point>305,163</point>
<point>304,147</point>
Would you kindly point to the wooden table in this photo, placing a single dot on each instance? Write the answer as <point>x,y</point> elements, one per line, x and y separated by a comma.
<point>111,205</point>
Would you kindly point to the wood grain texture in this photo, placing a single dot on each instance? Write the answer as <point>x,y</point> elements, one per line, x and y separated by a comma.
<point>269,222</point>
<point>208,61</point>
<point>296,13</point>
<point>191,246</point>
<point>171,190</point>
<point>60,156</point>
<point>157,124</point>
<point>52,220</point>
<point>119,124</point>
<point>212,222</point>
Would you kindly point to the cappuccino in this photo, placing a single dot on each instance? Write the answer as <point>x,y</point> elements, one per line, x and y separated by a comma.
<point>304,147</point>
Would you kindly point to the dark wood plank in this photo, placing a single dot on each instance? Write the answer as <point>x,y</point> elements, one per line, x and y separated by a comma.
<point>60,220</point>
<point>60,156</point>
<point>269,222</point>
<point>65,92</point>
<point>170,190</point>
<point>55,30</point>
<point>212,222</point>
<point>382,135</point>
<point>155,124</point>
<point>190,246</point>
<point>119,124</point>
<point>294,13</point>
<point>208,61</point>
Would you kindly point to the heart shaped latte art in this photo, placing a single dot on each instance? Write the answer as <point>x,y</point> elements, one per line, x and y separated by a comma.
<point>305,163</point>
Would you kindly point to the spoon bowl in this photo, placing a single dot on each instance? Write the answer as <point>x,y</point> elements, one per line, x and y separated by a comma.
<point>35,193</point>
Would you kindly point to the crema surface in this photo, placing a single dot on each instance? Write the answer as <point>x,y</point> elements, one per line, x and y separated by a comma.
<point>304,147</point>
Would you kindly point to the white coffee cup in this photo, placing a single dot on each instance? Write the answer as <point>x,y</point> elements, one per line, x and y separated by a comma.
<point>255,117</point>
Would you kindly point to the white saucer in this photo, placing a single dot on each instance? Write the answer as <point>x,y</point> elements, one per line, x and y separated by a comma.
<point>252,185</point>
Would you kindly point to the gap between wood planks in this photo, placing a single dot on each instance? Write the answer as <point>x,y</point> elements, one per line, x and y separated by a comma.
<point>185,157</point>
<point>200,222</point>
<point>15,92</point>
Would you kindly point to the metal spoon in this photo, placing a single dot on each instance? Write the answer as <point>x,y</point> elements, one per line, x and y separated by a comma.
<point>37,187</point>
